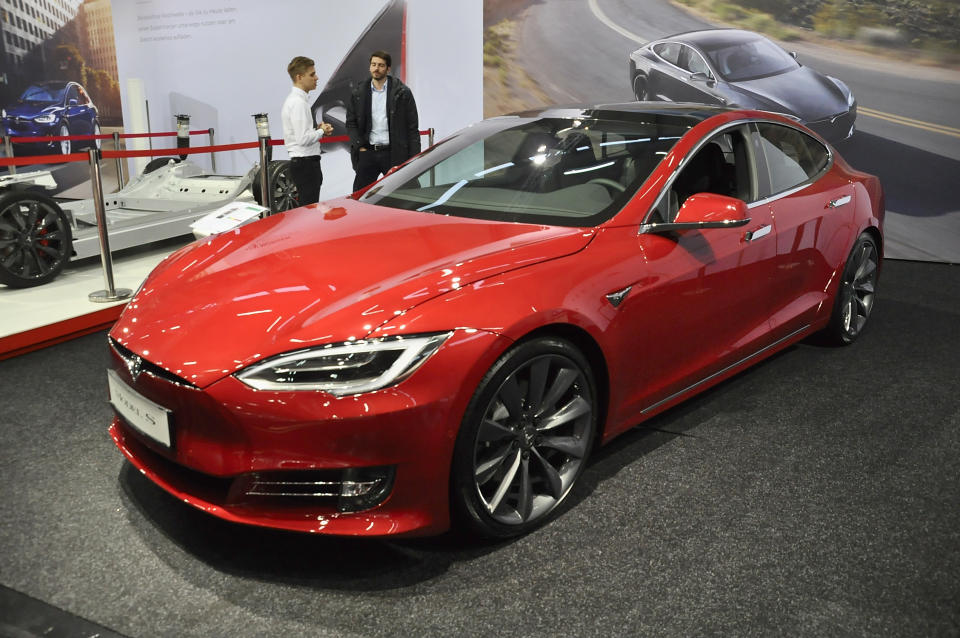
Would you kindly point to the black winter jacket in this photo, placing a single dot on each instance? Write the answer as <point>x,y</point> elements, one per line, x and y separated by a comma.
<point>401,118</point>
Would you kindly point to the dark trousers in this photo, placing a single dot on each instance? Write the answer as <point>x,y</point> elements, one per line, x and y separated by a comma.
<point>371,165</point>
<point>307,177</point>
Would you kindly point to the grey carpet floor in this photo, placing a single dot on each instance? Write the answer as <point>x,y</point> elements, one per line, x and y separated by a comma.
<point>815,494</point>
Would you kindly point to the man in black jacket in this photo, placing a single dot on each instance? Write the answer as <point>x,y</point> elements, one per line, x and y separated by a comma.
<point>382,123</point>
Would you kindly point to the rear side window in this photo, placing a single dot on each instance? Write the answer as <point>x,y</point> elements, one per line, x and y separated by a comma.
<point>792,157</point>
<point>669,51</point>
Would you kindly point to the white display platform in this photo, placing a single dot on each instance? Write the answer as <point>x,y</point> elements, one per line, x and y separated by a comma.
<point>62,306</point>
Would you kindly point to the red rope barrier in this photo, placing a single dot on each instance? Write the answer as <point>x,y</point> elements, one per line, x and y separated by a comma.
<point>106,154</point>
<point>179,151</point>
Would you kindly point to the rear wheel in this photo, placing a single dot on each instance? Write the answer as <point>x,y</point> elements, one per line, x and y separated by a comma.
<point>640,87</point>
<point>35,239</point>
<point>525,438</point>
<point>855,297</point>
<point>285,193</point>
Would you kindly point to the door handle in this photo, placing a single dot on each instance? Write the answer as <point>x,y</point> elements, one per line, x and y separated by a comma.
<point>763,231</point>
<point>838,202</point>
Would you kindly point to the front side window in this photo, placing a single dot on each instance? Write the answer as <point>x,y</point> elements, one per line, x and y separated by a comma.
<point>693,61</point>
<point>722,166</point>
<point>792,157</point>
<point>563,171</point>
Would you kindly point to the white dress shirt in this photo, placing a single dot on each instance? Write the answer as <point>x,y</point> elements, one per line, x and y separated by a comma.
<point>299,134</point>
<point>379,129</point>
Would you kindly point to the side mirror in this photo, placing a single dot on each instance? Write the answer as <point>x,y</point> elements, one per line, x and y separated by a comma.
<point>72,102</point>
<point>704,210</point>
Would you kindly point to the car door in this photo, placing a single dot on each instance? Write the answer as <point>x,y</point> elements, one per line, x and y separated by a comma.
<point>74,112</point>
<point>812,211</point>
<point>703,302</point>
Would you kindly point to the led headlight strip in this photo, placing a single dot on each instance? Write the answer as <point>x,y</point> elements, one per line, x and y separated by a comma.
<point>350,367</point>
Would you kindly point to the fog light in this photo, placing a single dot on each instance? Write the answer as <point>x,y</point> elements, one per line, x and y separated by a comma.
<point>365,487</point>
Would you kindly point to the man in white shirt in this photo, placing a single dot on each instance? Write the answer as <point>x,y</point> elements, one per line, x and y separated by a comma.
<point>301,136</point>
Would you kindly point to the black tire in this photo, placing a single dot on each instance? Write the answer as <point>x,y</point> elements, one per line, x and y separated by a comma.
<point>35,239</point>
<point>285,193</point>
<point>159,162</point>
<point>640,87</point>
<point>524,440</point>
<point>855,296</point>
<point>97,144</point>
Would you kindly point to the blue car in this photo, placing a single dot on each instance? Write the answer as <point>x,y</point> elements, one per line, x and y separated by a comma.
<point>51,109</point>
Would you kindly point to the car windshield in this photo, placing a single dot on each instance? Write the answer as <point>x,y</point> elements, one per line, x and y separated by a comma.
<point>750,60</point>
<point>568,171</point>
<point>44,93</point>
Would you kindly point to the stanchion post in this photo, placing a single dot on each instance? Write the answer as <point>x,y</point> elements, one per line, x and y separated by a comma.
<point>183,133</point>
<point>213,156</point>
<point>146,105</point>
<point>430,132</point>
<point>263,135</point>
<point>111,293</point>
<point>116,147</point>
<point>8,147</point>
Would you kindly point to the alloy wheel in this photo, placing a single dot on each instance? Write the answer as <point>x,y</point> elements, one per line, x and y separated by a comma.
<point>858,288</point>
<point>64,144</point>
<point>35,240</point>
<point>533,439</point>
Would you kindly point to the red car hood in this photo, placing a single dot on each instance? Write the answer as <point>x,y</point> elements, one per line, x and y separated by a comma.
<point>315,275</point>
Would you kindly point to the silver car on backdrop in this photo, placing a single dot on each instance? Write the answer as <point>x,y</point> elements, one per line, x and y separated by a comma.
<point>737,68</point>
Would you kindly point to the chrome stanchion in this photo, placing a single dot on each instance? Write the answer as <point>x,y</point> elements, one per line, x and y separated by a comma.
<point>430,132</point>
<point>111,293</point>
<point>8,148</point>
<point>183,133</point>
<point>116,147</point>
<point>146,105</point>
<point>263,135</point>
<point>213,156</point>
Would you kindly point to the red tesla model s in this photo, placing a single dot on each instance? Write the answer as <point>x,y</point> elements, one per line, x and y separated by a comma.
<point>449,345</point>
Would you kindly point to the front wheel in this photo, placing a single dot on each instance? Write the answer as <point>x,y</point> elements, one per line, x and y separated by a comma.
<point>64,144</point>
<point>855,297</point>
<point>525,438</point>
<point>35,239</point>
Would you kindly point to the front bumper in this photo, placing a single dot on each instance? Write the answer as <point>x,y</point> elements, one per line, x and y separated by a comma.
<point>393,446</point>
<point>836,128</point>
<point>29,128</point>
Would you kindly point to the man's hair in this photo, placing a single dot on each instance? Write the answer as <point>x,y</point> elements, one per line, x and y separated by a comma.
<point>299,66</point>
<point>383,55</point>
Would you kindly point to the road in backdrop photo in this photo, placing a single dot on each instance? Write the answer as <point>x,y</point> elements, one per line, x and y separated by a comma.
<point>908,122</point>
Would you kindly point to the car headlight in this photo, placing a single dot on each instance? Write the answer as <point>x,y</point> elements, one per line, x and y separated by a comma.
<point>45,119</point>
<point>345,368</point>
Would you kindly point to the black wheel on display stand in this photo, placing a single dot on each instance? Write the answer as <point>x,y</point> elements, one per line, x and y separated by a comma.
<point>35,239</point>
<point>285,194</point>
